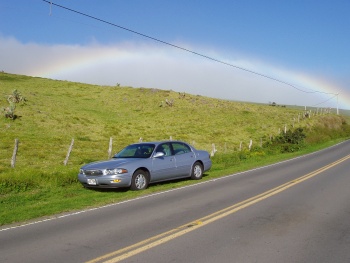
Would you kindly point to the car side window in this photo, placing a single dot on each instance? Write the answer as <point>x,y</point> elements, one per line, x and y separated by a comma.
<point>180,148</point>
<point>165,148</point>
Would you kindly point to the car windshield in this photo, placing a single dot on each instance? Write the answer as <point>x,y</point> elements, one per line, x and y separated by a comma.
<point>136,151</point>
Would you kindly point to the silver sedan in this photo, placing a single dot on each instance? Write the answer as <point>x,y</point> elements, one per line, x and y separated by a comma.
<point>139,164</point>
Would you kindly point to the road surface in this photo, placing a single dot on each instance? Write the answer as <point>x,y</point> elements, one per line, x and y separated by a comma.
<point>294,211</point>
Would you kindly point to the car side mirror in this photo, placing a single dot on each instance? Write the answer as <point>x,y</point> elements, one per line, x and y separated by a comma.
<point>158,154</point>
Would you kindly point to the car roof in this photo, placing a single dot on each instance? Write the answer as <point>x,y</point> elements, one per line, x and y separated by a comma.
<point>159,142</point>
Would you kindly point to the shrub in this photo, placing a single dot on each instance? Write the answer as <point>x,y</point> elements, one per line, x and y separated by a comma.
<point>291,141</point>
<point>13,99</point>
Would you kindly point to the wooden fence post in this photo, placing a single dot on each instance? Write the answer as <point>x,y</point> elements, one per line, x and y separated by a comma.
<point>250,144</point>
<point>13,160</point>
<point>213,151</point>
<point>68,153</point>
<point>110,148</point>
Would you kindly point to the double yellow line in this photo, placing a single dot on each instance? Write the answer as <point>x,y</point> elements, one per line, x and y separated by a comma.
<point>154,241</point>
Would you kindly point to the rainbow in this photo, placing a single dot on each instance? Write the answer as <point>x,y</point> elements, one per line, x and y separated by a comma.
<point>87,58</point>
<point>79,62</point>
<point>330,92</point>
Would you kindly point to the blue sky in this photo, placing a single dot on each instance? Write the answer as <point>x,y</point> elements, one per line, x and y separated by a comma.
<point>302,43</point>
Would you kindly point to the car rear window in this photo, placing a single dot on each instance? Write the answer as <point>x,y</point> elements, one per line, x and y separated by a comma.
<point>180,148</point>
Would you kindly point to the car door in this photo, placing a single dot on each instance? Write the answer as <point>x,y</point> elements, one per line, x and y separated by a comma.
<point>164,166</point>
<point>184,158</point>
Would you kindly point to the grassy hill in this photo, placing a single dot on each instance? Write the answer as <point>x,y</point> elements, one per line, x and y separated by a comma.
<point>58,111</point>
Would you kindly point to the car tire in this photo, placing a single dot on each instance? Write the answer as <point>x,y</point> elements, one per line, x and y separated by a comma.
<point>197,171</point>
<point>139,180</point>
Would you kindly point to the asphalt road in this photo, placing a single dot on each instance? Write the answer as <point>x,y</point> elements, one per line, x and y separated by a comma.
<point>295,211</point>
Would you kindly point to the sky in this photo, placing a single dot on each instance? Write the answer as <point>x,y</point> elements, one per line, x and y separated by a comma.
<point>293,52</point>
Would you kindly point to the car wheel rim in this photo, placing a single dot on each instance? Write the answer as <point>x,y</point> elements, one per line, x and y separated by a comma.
<point>197,171</point>
<point>140,181</point>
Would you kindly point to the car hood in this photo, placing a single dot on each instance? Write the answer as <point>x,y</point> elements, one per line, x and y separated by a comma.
<point>109,164</point>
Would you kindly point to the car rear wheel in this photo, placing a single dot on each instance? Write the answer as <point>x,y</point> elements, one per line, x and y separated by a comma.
<point>197,171</point>
<point>139,180</point>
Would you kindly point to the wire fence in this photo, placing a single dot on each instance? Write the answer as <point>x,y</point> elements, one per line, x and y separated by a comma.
<point>37,152</point>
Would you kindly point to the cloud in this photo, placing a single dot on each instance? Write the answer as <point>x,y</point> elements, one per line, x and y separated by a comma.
<point>155,66</point>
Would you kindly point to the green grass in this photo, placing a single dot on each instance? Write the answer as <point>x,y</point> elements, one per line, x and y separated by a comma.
<point>58,111</point>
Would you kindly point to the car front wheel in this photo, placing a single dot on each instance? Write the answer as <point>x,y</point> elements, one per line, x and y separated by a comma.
<point>139,180</point>
<point>197,171</point>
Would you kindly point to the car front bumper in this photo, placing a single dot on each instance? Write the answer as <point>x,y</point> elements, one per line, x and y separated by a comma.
<point>111,181</point>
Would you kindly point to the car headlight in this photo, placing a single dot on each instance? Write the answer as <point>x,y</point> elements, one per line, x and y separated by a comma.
<point>115,171</point>
<point>81,171</point>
